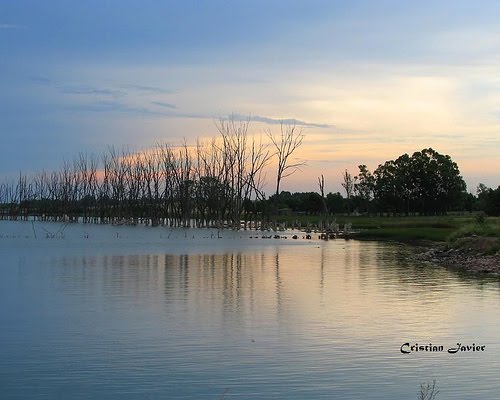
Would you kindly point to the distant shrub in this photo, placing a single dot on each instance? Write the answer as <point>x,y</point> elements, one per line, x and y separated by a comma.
<point>480,218</point>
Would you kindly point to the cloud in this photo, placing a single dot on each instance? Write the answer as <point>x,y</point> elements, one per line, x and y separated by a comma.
<point>112,106</point>
<point>78,89</point>
<point>41,80</point>
<point>90,90</point>
<point>84,89</point>
<point>12,26</point>
<point>147,89</point>
<point>120,107</point>
<point>162,104</point>
<point>277,121</point>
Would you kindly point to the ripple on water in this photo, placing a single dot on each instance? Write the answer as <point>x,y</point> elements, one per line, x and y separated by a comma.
<point>137,315</point>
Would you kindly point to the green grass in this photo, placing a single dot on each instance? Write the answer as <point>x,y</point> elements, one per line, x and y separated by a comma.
<point>410,228</point>
<point>489,228</point>
<point>482,236</point>
<point>407,233</point>
<point>363,222</point>
<point>434,228</point>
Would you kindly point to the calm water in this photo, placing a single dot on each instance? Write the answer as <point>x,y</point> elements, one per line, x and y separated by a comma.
<point>152,313</point>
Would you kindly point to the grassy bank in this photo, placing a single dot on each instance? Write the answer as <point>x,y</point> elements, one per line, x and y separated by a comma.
<point>482,235</point>
<point>409,228</point>
<point>447,229</point>
<point>435,228</point>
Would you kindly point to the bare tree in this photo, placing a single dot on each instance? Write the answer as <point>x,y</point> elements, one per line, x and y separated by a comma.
<point>234,147</point>
<point>259,159</point>
<point>217,182</point>
<point>23,194</point>
<point>286,142</point>
<point>321,183</point>
<point>9,193</point>
<point>348,185</point>
<point>3,199</point>
<point>86,174</point>
<point>183,175</point>
<point>168,166</point>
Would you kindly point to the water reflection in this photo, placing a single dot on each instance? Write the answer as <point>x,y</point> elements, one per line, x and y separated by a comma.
<point>362,282</point>
<point>322,320</point>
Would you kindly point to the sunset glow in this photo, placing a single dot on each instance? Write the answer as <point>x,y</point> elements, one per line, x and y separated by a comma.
<point>368,82</point>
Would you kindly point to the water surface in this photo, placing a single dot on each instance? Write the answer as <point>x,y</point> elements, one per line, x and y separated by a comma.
<point>105,312</point>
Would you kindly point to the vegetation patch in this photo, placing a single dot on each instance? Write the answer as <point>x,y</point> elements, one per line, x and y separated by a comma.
<point>478,245</point>
<point>489,228</point>
<point>407,234</point>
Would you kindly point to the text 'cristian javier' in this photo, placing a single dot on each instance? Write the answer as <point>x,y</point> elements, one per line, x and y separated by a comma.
<point>407,348</point>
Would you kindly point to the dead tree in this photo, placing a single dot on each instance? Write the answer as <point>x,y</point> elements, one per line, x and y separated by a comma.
<point>348,185</point>
<point>259,159</point>
<point>321,183</point>
<point>235,155</point>
<point>286,142</point>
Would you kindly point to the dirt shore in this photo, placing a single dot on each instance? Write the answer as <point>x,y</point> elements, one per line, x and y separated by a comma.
<point>476,255</point>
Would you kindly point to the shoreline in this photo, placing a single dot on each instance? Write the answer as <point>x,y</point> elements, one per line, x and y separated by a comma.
<point>478,255</point>
<point>475,255</point>
<point>468,257</point>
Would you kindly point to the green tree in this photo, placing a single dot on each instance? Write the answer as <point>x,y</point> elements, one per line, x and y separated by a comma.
<point>348,185</point>
<point>385,187</point>
<point>427,183</point>
<point>364,187</point>
<point>335,203</point>
<point>438,184</point>
<point>488,200</point>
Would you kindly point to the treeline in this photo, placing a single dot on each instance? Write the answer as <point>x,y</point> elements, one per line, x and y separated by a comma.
<point>210,184</point>
<point>425,183</point>
<point>220,183</point>
<point>311,203</point>
<point>487,200</point>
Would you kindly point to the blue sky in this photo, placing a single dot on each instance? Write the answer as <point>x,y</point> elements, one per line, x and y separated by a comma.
<point>369,80</point>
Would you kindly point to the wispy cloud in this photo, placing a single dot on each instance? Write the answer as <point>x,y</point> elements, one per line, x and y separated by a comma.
<point>113,107</point>
<point>91,90</point>
<point>12,26</point>
<point>121,107</point>
<point>146,89</point>
<point>165,105</point>
<point>77,89</point>
<point>40,80</point>
<point>277,121</point>
<point>118,103</point>
<point>133,110</point>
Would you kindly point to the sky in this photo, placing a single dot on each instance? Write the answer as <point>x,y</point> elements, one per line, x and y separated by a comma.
<point>367,80</point>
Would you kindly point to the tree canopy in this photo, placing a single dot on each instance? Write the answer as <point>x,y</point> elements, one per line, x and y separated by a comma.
<point>425,183</point>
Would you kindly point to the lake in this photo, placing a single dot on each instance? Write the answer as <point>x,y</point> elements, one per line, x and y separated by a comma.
<point>119,312</point>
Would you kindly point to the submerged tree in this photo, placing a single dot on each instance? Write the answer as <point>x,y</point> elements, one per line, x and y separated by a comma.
<point>288,140</point>
<point>321,183</point>
<point>209,184</point>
